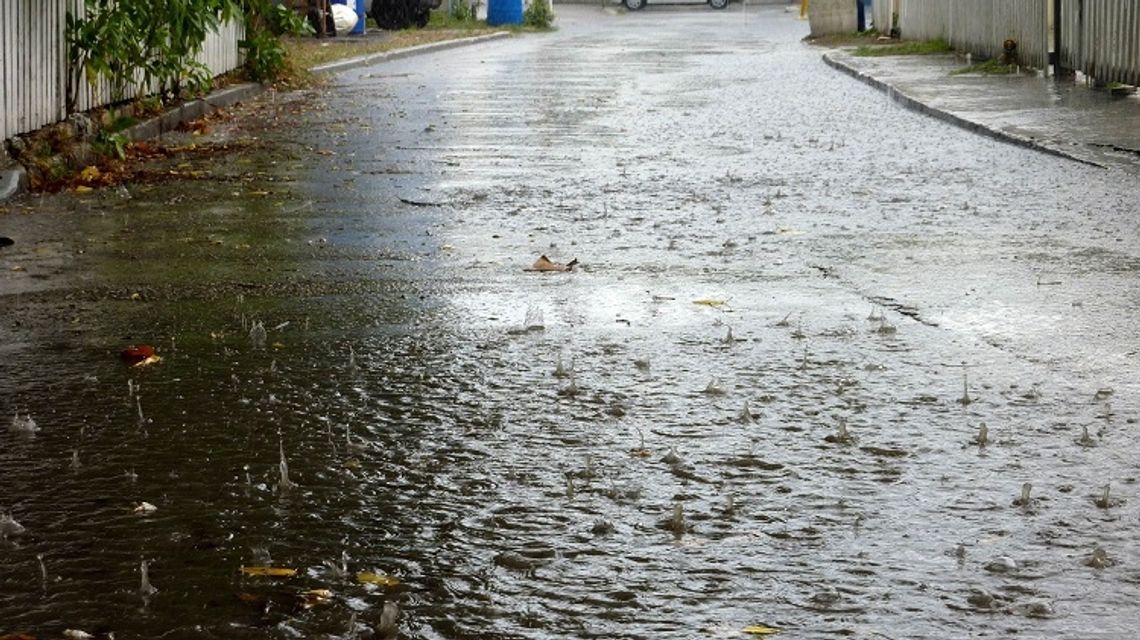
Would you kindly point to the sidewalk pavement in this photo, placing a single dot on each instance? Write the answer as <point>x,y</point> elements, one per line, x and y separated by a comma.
<point>13,176</point>
<point>1063,117</point>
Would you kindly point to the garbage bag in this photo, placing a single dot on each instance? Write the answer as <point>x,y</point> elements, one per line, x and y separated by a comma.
<point>344,18</point>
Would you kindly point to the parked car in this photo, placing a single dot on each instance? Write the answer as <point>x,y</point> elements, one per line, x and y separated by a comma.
<point>637,5</point>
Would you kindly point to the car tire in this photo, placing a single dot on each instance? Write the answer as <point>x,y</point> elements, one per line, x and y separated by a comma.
<point>718,4</point>
<point>634,5</point>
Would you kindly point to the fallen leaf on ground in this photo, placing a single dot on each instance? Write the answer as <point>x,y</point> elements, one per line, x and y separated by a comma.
<point>144,508</point>
<point>136,355</point>
<point>710,302</point>
<point>315,597</point>
<point>275,572</point>
<point>90,173</point>
<point>761,630</point>
<point>83,189</point>
<point>377,579</point>
<point>546,264</point>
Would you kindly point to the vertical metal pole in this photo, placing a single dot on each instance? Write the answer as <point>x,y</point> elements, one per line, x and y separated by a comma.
<point>1057,38</point>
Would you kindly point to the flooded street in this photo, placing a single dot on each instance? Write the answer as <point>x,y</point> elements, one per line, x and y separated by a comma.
<point>815,346</point>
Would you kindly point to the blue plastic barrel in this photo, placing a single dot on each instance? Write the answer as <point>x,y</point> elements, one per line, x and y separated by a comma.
<point>358,30</point>
<point>504,12</point>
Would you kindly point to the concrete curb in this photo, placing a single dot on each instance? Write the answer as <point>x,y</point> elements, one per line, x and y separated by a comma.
<point>432,47</point>
<point>831,59</point>
<point>13,180</point>
<point>158,125</point>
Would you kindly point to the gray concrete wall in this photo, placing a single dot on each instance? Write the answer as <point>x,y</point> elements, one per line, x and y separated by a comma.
<point>832,16</point>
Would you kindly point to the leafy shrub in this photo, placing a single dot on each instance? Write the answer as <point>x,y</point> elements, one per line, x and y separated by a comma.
<point>265,23</point>
<point>538,14</point>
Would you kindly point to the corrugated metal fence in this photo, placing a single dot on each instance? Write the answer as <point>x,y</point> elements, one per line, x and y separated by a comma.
<point>981,26</point>
<point>1100,38</point>
<point>882,13</point>
<point>33,64</point>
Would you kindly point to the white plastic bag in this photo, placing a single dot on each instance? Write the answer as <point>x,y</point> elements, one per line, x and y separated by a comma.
<point>343,17</point>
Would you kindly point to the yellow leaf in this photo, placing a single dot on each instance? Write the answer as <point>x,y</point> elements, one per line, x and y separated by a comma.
<point>83,189</point>
<point>149,360</point>
<point>276,572</point>
<point>710,302</point>
<point>90,173</point>
<point>315,598</point>
<point>377,579</point>
<point>761,630</point>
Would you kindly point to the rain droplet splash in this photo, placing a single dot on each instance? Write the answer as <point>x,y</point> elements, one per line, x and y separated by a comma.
<point>284,484</point>
<point>23,424</point>
<point>257,335</point>
<point>9,527</point>
<point>145,587</point>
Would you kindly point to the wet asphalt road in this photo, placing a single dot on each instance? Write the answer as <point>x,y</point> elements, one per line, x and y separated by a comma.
<point>648,447</point>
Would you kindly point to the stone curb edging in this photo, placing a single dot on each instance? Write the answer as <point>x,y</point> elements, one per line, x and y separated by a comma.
<point>914,104</point>
<point>396,54</point>
<point>14,178</point>
<point>192,110</point>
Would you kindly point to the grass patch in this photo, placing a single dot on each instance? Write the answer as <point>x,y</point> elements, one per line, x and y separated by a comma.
<point>441,20</point>
<point>307,53</point>
<point>912,48</point>
<point>845,39</point>
<point>991,67</point>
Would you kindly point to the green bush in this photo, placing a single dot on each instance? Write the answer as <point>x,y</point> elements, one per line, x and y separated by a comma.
<point>265,23</point>
<point>462,10</point>
<point>538,14</point>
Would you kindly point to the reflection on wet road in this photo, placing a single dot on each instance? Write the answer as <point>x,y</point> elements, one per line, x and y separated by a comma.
<point>759,400</point>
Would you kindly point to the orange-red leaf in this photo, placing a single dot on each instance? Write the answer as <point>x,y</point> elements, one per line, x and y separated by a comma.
<point>136,354</point>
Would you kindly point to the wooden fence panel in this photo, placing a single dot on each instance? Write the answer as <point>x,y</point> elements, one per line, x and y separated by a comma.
<point>34,67</point>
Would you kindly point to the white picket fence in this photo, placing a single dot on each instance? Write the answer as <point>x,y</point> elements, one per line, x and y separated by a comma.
<point>33,64</point>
